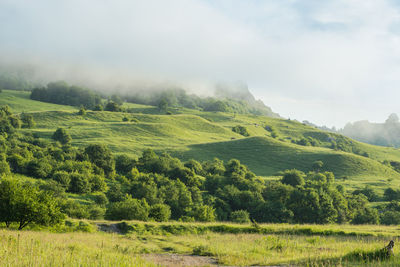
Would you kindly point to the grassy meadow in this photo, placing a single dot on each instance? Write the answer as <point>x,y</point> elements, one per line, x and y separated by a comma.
<point>204,135</point>
<point>329,245</point>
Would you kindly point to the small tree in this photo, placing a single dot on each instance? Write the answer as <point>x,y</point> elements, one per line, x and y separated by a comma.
<point>163,105</point>
<point>160,212</point>
<point>25,204</point>
<point>98,107</point>
<point>102,157</point>
<point>82,111</point>
<point>317,165</point>
<point>293,178</point>
<point>129,209</point>
<point>112,106</point>
<point>61,136</point>
<point>240,216</point>
<point>27,121</point>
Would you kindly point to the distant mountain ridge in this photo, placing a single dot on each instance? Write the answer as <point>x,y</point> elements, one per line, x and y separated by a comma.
<point>382,134</point>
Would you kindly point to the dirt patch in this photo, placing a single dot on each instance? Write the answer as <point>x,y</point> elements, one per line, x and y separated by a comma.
<point>187,260</point>
<point>108,228</point>
<point>179,260</point>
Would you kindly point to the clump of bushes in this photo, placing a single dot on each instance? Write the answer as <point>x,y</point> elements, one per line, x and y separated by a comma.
<point>240,130</point>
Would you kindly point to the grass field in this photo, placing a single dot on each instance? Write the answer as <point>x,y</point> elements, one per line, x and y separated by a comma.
<point>284,244</point>
<point>205,135</point>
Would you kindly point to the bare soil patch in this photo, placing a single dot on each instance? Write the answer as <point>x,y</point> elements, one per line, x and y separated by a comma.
<point>179,260</point>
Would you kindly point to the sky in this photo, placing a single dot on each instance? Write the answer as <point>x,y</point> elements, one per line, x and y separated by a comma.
<point>328,62</point>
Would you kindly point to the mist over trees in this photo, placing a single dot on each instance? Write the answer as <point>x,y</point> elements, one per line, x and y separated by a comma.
<point>64,94</point>
<point>382,134</point>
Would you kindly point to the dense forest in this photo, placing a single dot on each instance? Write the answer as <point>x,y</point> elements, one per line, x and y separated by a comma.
<point>160,187</point>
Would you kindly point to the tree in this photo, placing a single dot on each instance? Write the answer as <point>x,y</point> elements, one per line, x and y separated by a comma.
<point>82,111</point>
<point>79,184</point>
<point>39,168</point>
<point>293,178</point>
<point>98,107</point>
<point>102,157</point>
<point>124,164</point>
<point>317,165</point>
<point>163,105</point>
<point>241,130</point>
<point>366,216</point>
<point>27,121</point>
<point>129,209</point>
<point>203,213</point>
<point>112,106</point>
<point>25,204</point>
<point>61,136</point>
<point>160,212</point>
<point>240,216</point>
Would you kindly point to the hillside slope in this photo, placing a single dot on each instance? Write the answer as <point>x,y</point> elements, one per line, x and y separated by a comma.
<point>205,135</point>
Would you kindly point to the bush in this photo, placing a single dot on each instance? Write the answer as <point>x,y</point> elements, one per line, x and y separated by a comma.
<point>240,216</point>
<point>160,212</point>
<point>368,192</point>
<point>97,183</point>
<point>100,198</point>
<point>82,111</point>
<point>61,136</point>
<point>79,184</point>
<point>96,213</point>
<point>390,217</point>
<point>203,213</point>
<point>293,178</point>
<point>392,194</point>
<point>130,209</point>
<point>39,168</point>
<point>27,121</point>
<point>62,178</point>
<point>4,167</point>
<point>240,130</point>
<point>366,216</point>
<point>75,210</point>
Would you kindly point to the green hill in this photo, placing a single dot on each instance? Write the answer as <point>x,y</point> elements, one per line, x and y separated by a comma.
<point>19,102</point>
<point>189,133</point>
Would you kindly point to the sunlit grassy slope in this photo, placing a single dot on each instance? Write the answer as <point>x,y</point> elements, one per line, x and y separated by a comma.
<point>19,102</point>
<point>205,135</point>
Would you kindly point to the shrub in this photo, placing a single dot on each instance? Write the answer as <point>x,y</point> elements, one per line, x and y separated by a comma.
<point>100,198</point>
<point>366,216</point>
<point>82,111</point>
<point>130,209</point>
<point>39,168</point>
<point>4,167</point>
<point>75,210</point>
<point>240,216</point>
<point>98,107</point>
<point>293,178</point>
<point>240,130</point>
<point>160,212</point>
<point>96,213</point>
<point>61,136</point>
<point>62,178</point>
<point>390,217</point>
<point>203,213</point>
<point>79,184</point>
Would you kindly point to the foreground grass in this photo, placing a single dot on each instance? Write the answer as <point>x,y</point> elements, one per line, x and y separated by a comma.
<point>73,249</point>
<point>28,248</point>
